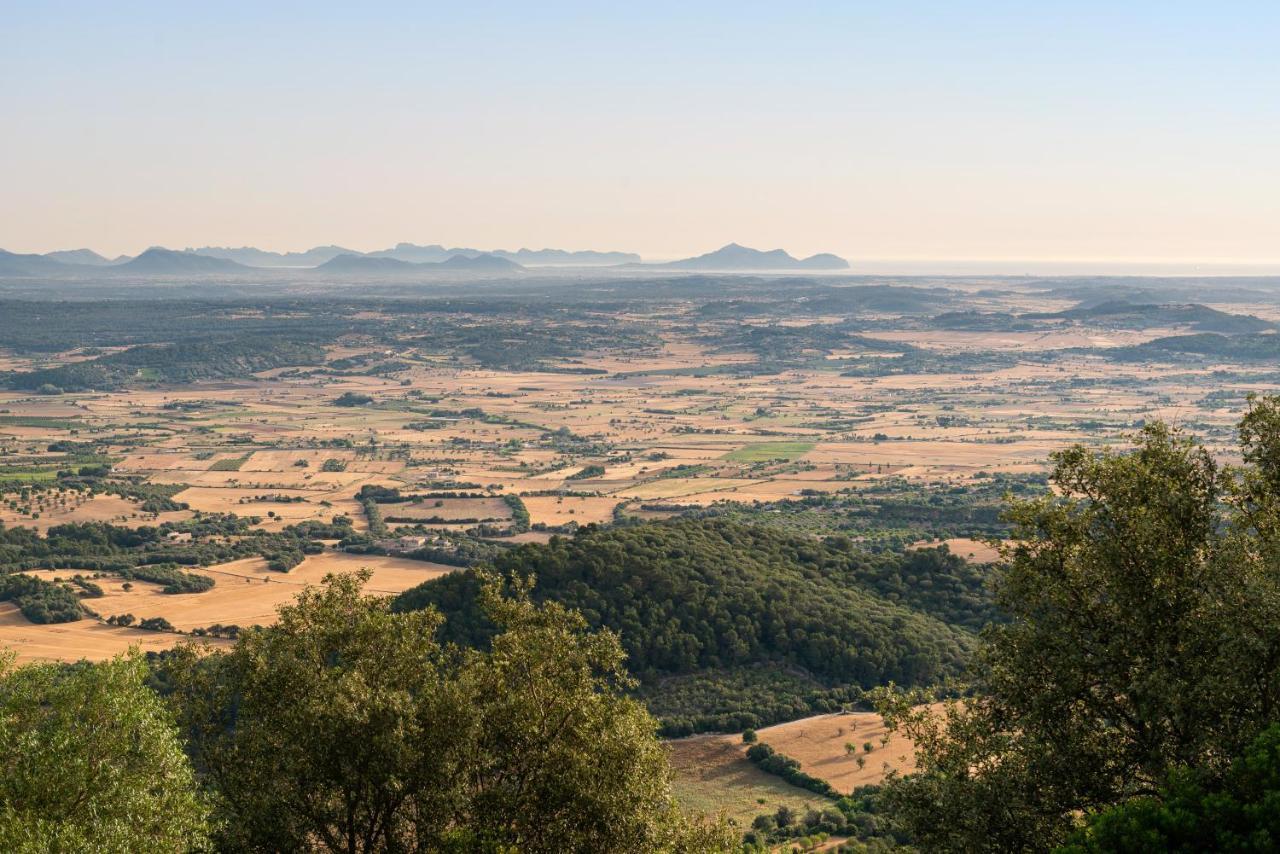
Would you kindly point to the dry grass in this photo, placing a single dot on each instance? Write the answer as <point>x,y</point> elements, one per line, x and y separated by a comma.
<point>713,776</point>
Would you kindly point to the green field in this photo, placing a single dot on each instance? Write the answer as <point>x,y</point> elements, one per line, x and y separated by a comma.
<point>761,451</point>
<point>41,422</point>
<point>26,475</point>
<point>232,464</point>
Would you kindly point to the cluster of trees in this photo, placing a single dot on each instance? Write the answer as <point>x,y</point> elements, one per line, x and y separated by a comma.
<point>174,580</point>
<point>346,727</point>
<point>287,559</point>
<point>789,345</point>
<point>1129,701</point>
<point>1245,347</point>
<point>859,816</point>
<point>40,601</point>
<point>34,326</point>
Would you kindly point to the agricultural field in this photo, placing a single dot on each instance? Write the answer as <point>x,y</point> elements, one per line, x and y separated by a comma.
<point>713,772</point>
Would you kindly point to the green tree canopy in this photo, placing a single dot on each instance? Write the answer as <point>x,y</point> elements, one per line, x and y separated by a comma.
<point>90,761</point>
<point>1240,813</point>
<point>1143,600</point>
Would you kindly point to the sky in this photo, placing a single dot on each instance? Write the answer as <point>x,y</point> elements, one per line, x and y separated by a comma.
<point>1094,132</point>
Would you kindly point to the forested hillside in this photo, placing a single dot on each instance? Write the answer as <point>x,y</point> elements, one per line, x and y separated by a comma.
<point>688,595</point>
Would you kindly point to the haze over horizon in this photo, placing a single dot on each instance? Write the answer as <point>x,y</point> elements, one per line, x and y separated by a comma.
<point>1134,138</point>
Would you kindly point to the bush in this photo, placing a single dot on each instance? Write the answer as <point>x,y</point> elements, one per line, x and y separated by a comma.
<point>156,624</point>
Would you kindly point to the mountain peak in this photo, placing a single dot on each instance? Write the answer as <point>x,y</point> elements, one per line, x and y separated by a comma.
<point>162,261</point>
<point>734,256</point>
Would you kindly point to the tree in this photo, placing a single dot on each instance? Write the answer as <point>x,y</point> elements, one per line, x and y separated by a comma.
<point>1191,813</point>
<point>332,726</point>
<point>563,760</point>
<point>90,760</point>
<point>350,728</point>
<point>1142,600</point>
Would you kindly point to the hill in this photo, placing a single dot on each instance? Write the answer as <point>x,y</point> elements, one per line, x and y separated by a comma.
<point>711,598</point>
<point>1124,314</point>
<point>86,257</point>
<point>160,261</point>
<point>174,363</point>
<point>1207,345</point>
<point>364,265</point>
<point>14,264</point>
<point>480,263</point>
<point>735,257</point>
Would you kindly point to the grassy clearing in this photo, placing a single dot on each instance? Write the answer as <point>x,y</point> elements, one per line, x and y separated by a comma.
<point>762,451</point>
<point>24,475</point>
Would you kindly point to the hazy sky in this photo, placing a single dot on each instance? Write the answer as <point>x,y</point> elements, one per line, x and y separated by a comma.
<point>1040,130</point>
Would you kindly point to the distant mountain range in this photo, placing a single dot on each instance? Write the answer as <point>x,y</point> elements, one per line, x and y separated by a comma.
<point>401,258</point>
<point>349,264</point>
<point>435,253</point>
<point>251,256</point>
<point>14,264</point>
<point>156,261</point>
<point>742,258</point>
<point>414,254</point>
